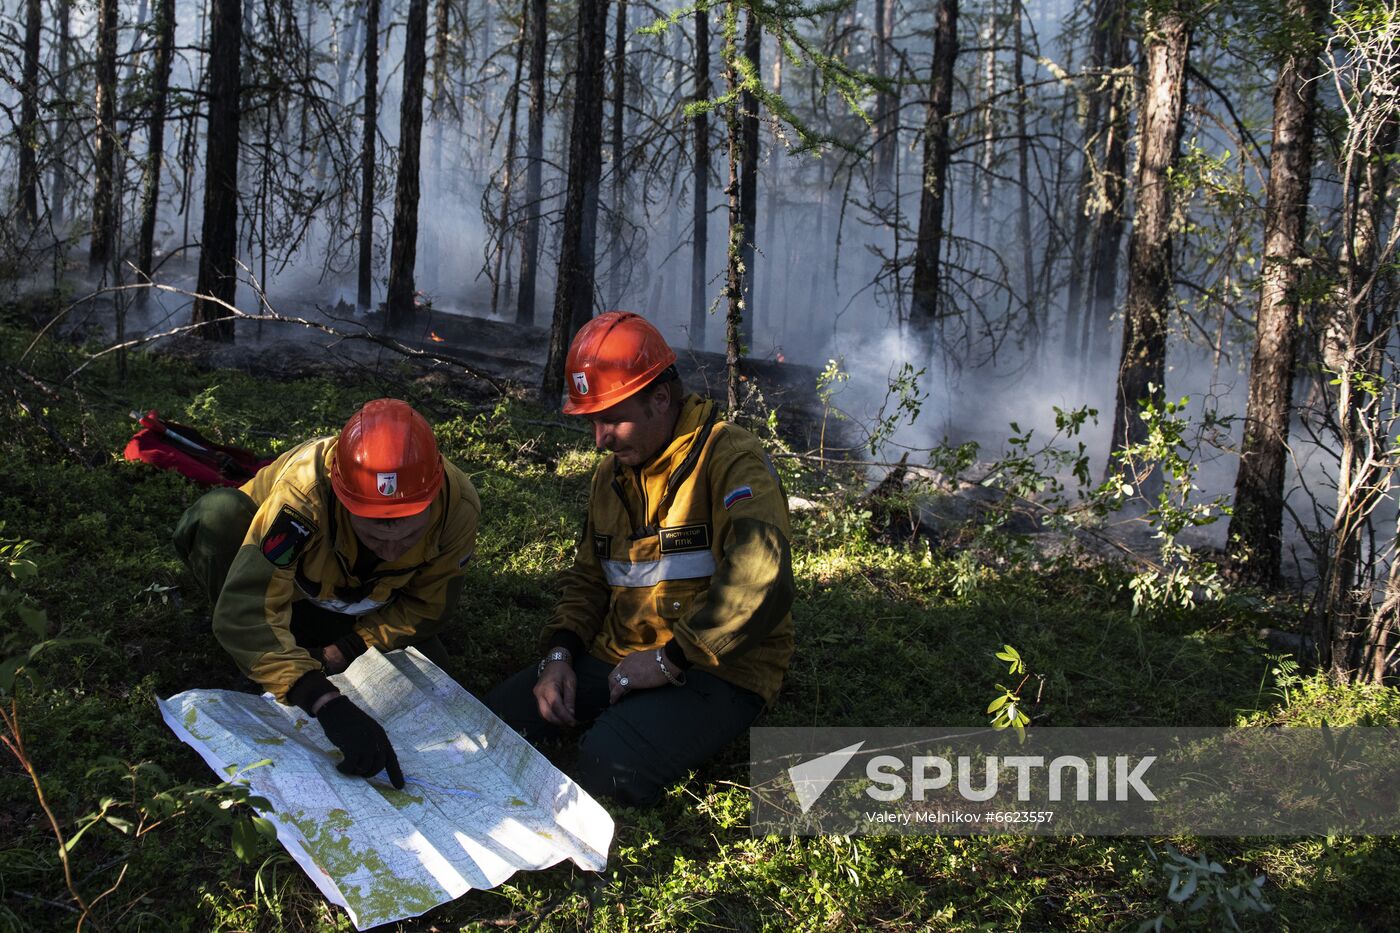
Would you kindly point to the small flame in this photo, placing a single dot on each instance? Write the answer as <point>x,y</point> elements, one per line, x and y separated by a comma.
<point>781,358</point>
<point>435,338</point>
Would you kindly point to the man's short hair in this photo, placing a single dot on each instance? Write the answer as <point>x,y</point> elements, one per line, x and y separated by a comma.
<point>668,376</point>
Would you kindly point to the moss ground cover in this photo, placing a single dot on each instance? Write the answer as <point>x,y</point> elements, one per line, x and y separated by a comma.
<point>887,635</point>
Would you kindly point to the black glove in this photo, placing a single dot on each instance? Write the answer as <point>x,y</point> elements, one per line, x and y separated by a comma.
<point>351,647</point>
<point>366,746</point>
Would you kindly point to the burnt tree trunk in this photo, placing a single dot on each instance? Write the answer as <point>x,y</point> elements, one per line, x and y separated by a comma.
<point>886,104</point>
<point>150,183</point>
<point>1108,227</point>
<point>534,154</point>
<point>573,294</point>
<point>924,305</point>
<point>58,186</point>
<point>104,144</point>
<point>1023,162</point>
<point>364,294</point>
<point>619,161</point>
<point>1257,522</point>
<point>403,248</point>
<point>1081,268</point>
<point>748,185</point>
<point>506,240</point>
<point>29,118</point>
<point>442,31</point>
<point>734,274</point>
<point>1142,366</point>
<point>700,201</point>
<point>219,239</point>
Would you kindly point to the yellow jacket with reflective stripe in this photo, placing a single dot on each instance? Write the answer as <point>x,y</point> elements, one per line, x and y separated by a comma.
<point>395,601</point>
<point>693,545</point>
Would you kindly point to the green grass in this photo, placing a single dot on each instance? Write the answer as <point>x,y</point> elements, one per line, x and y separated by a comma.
<point>886,636</point>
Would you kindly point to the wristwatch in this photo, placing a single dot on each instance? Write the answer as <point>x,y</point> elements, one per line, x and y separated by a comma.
<point>558,654</point>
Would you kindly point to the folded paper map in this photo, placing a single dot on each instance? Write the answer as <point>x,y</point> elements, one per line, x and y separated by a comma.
<point>479,803</point>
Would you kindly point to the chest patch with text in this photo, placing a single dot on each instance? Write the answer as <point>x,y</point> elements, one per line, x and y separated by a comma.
<point>685,538</point>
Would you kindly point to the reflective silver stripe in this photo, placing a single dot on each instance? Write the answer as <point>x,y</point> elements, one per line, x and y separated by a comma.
<point>685,566</point>
<point>363,607</point>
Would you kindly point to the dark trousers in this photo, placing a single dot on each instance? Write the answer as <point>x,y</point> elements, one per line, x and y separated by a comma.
<point>647,740</point>
<point>208,537</point>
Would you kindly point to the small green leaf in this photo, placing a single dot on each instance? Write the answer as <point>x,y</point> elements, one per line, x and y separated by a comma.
<point>9,669</point>
<point>998,703</point>
<point>36,619</point>
<point>23,569</point>
<point>244,840</point>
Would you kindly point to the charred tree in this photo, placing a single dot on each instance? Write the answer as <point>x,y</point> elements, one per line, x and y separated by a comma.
<point>504,226</point>
<point>886,104</point>
<point>219,240</point>
<point>700,200</point>
<point>924,306</point>
<point>534,155</point>
<point>619,159</point>
<point>573,293</point>
<point>1023,161</point>
<point>150,182</point>
<point>442,97</point>
<point>58,186</point>
<point>1256,524</point>
<point>29,118</point>
<point>403,248</point>
<point>104,145</point>
<point>734,273</point>
<point>1111,217</point>
<point>365,292</point>
<point>748,185</point>
<point>1089,196</point>
<point>442,103</point>
<point>1142,366</point>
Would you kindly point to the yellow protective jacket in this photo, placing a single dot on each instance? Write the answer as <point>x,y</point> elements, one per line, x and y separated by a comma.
<point>300,546</point>
<point>691,546</point>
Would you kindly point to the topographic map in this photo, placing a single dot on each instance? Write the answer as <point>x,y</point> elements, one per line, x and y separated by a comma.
<point>478,805</point>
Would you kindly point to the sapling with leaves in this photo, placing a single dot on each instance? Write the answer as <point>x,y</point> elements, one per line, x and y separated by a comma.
<point>1171,452</point>
<point>1007,711</point>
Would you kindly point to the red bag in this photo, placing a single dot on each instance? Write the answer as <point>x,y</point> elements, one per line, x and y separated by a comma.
<point>181,448</point>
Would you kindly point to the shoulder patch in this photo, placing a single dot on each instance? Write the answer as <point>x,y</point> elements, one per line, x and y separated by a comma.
<point>738,494</point>
<point>602,546</point>
<point>284,541</point>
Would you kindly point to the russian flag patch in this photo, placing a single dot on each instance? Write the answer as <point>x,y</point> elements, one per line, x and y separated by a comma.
<point>737,495</point>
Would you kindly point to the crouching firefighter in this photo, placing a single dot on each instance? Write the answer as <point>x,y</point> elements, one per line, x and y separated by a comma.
<point>339,545</point>
<point>673,629</point>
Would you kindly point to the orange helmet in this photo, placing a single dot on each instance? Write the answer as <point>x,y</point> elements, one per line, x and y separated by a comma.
<point>614,356</point>
<point>386,462</point>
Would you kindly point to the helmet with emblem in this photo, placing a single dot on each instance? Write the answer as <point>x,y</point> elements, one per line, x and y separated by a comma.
<point>614,356</point>
<point>386,462</point>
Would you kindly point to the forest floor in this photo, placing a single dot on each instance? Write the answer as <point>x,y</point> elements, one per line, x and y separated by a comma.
<point>892,628</point>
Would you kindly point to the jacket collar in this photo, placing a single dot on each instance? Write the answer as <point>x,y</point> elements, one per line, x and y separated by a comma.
<point>695,413</point>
